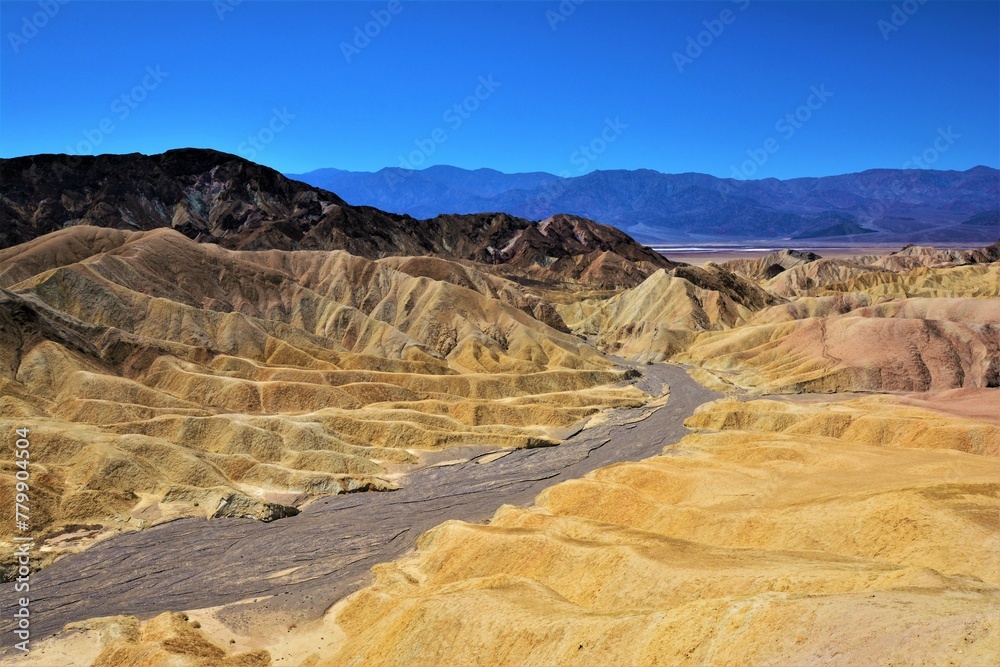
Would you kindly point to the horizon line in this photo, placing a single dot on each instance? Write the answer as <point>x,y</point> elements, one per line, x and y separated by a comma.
<point>509,173</point>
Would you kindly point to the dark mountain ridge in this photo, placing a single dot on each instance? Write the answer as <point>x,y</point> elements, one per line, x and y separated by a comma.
<point>220,198</point>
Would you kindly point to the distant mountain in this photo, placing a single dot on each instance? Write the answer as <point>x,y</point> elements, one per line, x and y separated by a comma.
<point>883,205</point>
<point>469,190</point>
<point>220,198</point>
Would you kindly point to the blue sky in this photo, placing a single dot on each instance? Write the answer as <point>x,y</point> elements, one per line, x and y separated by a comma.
<point>544,86</point>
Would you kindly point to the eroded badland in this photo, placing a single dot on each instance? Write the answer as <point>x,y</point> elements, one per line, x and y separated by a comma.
<point>835,502</point>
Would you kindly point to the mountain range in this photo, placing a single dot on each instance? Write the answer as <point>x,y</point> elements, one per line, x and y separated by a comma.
<point>874,206</point>
<point>219,198</point>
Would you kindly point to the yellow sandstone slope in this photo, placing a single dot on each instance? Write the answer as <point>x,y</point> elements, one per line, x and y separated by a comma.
<point>863,531</point>
<point>162,377</point>
<point>906,345</point>
<point>907,321</point>
<point>853,533</point>
<point>662,315</point>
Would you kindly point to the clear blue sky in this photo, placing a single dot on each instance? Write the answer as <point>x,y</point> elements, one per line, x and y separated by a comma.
<point>894,93</point>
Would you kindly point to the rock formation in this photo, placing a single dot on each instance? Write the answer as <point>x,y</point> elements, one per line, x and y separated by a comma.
<point>220,198</point>
<point>164,377</point>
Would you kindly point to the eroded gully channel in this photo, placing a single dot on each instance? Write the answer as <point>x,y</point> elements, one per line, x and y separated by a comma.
<point>327,550</point>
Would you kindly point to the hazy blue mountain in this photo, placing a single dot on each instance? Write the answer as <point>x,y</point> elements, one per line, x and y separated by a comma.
<point>440,189</point>
<point>880,205</point>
